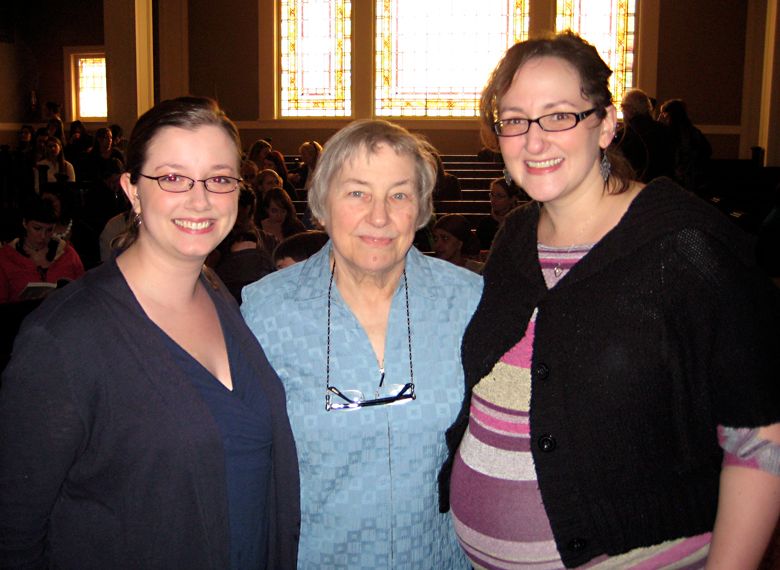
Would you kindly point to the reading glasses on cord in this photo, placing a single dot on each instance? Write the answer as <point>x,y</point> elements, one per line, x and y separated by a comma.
<point>177,183</point>
<point>552,123</point>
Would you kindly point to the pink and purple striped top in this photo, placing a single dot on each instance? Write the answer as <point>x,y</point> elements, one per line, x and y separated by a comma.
<point>496,504</point>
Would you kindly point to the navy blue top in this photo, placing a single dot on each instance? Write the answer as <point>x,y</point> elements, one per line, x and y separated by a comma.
<point>244,421</point>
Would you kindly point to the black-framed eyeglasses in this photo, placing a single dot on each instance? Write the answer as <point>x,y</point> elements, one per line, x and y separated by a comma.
<point>177,183</point>
<point>354,399</point>
<point>552,123</point>
<point>385,394</point>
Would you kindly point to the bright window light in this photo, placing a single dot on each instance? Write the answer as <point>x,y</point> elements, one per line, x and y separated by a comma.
<point>91,93</point>
<point>439,70</point>
<point>608,25</point>
<point>316,58</point>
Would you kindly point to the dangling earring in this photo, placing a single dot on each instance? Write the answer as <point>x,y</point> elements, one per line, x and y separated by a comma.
<point>605,166</point>
<point>137,221</point>
<point>507,177</point>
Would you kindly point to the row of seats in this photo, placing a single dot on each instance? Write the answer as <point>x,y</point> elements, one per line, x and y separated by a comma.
<point>475,178</point>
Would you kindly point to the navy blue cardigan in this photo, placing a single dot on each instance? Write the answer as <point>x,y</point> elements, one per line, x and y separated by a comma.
<point>109,458</point>
<point>665,330</point>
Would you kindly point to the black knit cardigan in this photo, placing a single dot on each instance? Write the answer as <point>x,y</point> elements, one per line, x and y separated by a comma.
<point>663,331</point>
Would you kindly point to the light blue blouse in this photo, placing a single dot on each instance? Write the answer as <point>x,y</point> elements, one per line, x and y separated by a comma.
<point>368,476</point>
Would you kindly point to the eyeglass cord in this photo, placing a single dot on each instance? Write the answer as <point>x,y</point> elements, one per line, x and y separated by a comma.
<point>408,332</point>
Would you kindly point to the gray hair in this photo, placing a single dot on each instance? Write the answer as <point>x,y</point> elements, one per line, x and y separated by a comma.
<point>635,103</point>
<point>368,135</point>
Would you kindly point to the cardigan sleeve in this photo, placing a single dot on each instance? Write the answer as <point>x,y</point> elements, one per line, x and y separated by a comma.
<point>41,432</point>
<point>731,321</point>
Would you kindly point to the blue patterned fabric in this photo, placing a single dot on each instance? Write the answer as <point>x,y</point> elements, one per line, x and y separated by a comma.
<point>368,476</point>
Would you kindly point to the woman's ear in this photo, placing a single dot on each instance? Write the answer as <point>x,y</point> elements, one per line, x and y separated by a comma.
<point>608,126</point>
<point>131,191</point>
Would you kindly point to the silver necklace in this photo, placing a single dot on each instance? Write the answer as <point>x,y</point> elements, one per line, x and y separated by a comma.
<point>558,270</point>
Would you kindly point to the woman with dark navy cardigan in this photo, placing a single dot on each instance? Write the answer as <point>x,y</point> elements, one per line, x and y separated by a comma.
<point>141,425</point>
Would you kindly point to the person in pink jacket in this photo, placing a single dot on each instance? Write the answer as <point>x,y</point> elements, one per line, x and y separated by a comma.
<point>36,256</point>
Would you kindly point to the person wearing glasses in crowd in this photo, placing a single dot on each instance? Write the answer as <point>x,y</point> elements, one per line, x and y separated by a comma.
<point>621,368</point>
<point>504,197</point>
<point>365,335</point>
<point>150,431</point>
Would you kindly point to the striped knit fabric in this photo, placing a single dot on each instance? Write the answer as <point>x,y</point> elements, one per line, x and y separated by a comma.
<point>496,504</point>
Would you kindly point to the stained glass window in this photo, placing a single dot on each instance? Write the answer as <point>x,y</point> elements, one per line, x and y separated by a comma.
<point>609,25</point>
<point>432,58</point>
<point>91,92</point>
<point>316,58</point>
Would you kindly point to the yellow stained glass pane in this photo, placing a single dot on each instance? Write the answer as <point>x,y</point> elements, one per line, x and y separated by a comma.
<point>609,25</point>
<point>316,58</point>
<point>433,57</point>
<point>92,92</point>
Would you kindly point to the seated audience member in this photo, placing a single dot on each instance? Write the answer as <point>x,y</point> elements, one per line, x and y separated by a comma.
<point>118,140</point>
<point>266,180</point>
<point>111,231</point>
<point>298,247</point>
<point>245,221</point>
<point>244,255</point>
<point>70,225</point>
<point>55,128</point>
<point>249,174</point>
<point>23,160</point>
<point>454,241</point>
<point>40,138</point>
<point>645,142</point>
<point>57,168</point>
<point>275,161</point>
<point>105,198</point>
<point>24,145</point>
<point>503,199</point>
<point>79,142</point>
<point>692,150</point>
<point>36,256</point>
<point>282,219</point>
<point>112,211</point>
<point>63,220</point>
<point>310,152</point>
<point>246,261</point>
<point>258,151</point>
<point>447,185</point>
<point>100,157</point>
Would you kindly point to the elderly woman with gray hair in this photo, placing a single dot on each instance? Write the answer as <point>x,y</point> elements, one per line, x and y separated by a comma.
<point>365,336</point>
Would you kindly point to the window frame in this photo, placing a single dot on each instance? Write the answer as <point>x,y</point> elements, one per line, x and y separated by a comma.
<point>71,56</point>
<point>542,21</point>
